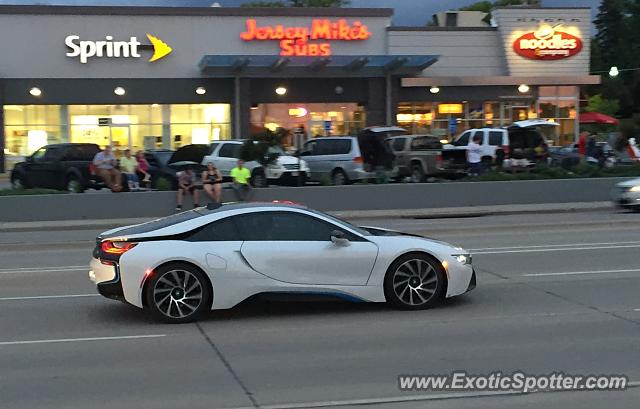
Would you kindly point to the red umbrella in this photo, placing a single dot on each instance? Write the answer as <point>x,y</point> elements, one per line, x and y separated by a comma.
<point>597,118</point>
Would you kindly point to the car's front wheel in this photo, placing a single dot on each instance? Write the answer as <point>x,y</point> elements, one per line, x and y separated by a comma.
<point>178,293</point>
<point>414,281</point>
<point>18,182</point>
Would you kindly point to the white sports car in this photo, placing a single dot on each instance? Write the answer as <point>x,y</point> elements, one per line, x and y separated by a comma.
<point>214,257</point>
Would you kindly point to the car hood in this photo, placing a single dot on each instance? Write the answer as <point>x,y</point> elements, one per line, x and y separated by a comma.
<point>532,123</point>
<point>629,183</point>
<point>287,160</point>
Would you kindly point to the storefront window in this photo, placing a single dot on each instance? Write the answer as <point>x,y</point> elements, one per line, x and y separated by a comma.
<point>560,105</point>
<point>318,119</point>
<point>28,127</point>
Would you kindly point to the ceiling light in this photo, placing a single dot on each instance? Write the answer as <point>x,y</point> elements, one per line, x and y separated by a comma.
<point>613,72</point>
<point>119,91</point>
<point>523,88</point>
<point>281,90</point>
<point>434,89</point>
<point>35,91</point>
<point>201,90</point>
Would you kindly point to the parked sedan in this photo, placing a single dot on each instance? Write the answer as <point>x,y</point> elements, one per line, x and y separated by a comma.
<point>181,266</point>
<point>627,194</point>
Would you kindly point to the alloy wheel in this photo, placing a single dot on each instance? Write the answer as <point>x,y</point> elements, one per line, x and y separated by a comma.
<point>73,186</point>
<point>415,282</point>
<point>178,294</point>
<point>339,178</point>
<point>17,183</point>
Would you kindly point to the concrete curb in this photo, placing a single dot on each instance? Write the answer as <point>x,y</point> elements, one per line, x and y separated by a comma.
<point>438,213</point>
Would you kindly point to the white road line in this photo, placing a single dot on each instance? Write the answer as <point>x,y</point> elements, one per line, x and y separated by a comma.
<point>637,309</point>
<point>44,270</point>
<point>556,245</point>
<point>411,398</point>
<point>542,250</point>
<point>45,297</point>
<point>570,273</point>
<point>53,341</point>
<point>35,268</point>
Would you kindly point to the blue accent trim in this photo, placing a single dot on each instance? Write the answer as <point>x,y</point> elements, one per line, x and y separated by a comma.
<point>342,296</point>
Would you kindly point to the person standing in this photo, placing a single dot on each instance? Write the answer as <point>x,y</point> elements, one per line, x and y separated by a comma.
<point>187,184</point>
<point>212,182</point>
<point>474,156</point>
<point>105,163</point>
<point>241,176</point>
<point>129,166</point>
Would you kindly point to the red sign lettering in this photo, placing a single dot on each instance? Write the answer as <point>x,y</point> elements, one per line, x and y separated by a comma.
<point>294,41</point>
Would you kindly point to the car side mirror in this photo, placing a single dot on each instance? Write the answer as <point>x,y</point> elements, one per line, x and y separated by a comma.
<point>339,238</point>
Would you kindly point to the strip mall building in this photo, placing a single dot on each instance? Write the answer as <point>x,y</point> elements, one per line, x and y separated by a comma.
<point>165,77</point>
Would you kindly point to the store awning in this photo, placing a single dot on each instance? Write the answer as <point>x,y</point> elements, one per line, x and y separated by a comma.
<point>335,65</point>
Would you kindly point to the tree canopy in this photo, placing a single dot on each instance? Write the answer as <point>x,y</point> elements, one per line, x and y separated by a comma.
<point>298,3</point>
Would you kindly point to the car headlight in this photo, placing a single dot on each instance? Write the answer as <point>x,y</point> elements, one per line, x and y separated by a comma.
<point>635,188</point>
<point>462,258</point>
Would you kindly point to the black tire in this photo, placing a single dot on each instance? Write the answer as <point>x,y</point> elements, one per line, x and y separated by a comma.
<point>19,182</point>
<point>177,306</point>
<point>338,178</point>
<point>258,179</point>
<point>425,281</point>
<point>417,174</point>
<point>73,184</point>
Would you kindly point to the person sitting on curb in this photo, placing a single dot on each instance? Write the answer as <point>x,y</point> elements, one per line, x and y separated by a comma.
<point>187,184</point>
<point>105,163</point>
<point>241,176</point>
<point>129,167</point>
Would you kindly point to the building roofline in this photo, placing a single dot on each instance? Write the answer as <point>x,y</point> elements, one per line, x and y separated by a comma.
<point>542,8</point>
<point>196,11</point>
<point>437,28</point>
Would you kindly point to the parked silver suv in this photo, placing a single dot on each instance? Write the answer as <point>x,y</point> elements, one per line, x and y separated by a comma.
<point>338,159</point>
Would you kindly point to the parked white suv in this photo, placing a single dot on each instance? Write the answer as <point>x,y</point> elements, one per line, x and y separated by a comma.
<point>286,168</point>
<point>494,143</point>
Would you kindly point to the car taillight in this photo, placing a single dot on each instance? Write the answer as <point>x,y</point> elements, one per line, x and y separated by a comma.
<point>505,149</point>
<point>358,159</point>
<point>116,248</point>
<point>439,160</point>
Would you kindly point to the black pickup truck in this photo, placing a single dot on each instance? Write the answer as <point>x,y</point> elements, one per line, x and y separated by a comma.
<point>64,166</point>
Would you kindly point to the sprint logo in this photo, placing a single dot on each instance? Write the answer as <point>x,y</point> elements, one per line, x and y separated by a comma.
<point>108,48</point>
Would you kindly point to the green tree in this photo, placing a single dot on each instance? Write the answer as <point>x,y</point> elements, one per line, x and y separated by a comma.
<point>604,106</point>
<point>486,6</point>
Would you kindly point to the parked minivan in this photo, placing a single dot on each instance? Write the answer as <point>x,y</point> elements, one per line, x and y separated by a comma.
<point>343,160</point>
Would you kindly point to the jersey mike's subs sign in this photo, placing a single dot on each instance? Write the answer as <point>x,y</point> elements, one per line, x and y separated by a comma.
<point>547,43</point>
<point>312,40</point>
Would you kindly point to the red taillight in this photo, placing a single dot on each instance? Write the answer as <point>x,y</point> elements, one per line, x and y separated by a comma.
<point>505,149</point>
<point>439,160</point>
<point>117,247</point>
<point>358,159</point>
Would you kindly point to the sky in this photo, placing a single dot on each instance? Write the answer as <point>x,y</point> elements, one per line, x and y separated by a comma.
<point>407,12</point>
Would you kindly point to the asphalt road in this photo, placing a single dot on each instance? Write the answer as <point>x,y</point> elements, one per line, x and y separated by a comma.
<point>556,292</point>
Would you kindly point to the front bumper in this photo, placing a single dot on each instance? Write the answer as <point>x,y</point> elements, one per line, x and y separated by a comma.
<point>624,198</point>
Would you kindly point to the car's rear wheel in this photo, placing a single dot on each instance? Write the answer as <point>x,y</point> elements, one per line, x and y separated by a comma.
<point>74,185</point>
<point>417,175</point>
<point>414,281</point>
<point>178,293</point>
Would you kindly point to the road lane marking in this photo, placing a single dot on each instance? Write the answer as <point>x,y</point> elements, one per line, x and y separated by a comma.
<point>45,297</point>
<point>556,245</point>
<point>637,309</point>
<point>415,398</point>
<point>43,269</point>
<point>53,341</point>
<point>550,249</point>
<point>569,273</point>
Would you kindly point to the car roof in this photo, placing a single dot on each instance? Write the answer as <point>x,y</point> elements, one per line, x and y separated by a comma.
<point>323,138</point>
<point>65,144</point>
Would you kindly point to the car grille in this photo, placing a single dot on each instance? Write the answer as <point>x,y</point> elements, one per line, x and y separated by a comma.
<point>291,166</point>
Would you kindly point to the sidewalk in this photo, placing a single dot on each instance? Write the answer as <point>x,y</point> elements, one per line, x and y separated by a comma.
<point>436,213</point>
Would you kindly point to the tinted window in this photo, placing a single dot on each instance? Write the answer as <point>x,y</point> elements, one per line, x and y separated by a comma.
<point>81,152</point>
<point>221,230</point>
<point>332,147</point>
<point>425,143</point>
<point>398,144</point>
<point>480,136</point>
<point>283,226</point>
<point>308,148</point>
<point>53,154</point>
<point>230,150</point>
<point>495,138</point>
<point>39,154</point>
<point>463,140</point>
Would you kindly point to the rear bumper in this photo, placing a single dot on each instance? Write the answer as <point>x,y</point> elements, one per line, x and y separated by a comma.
<point>107,279</point>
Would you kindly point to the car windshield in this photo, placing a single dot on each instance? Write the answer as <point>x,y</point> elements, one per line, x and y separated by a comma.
<point>275,149</point>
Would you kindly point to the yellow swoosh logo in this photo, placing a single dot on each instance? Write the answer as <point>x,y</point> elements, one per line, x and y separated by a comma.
<point>160,48</point>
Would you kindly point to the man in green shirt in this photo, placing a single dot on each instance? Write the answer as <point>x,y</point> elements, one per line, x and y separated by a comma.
<point>241,176</point>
